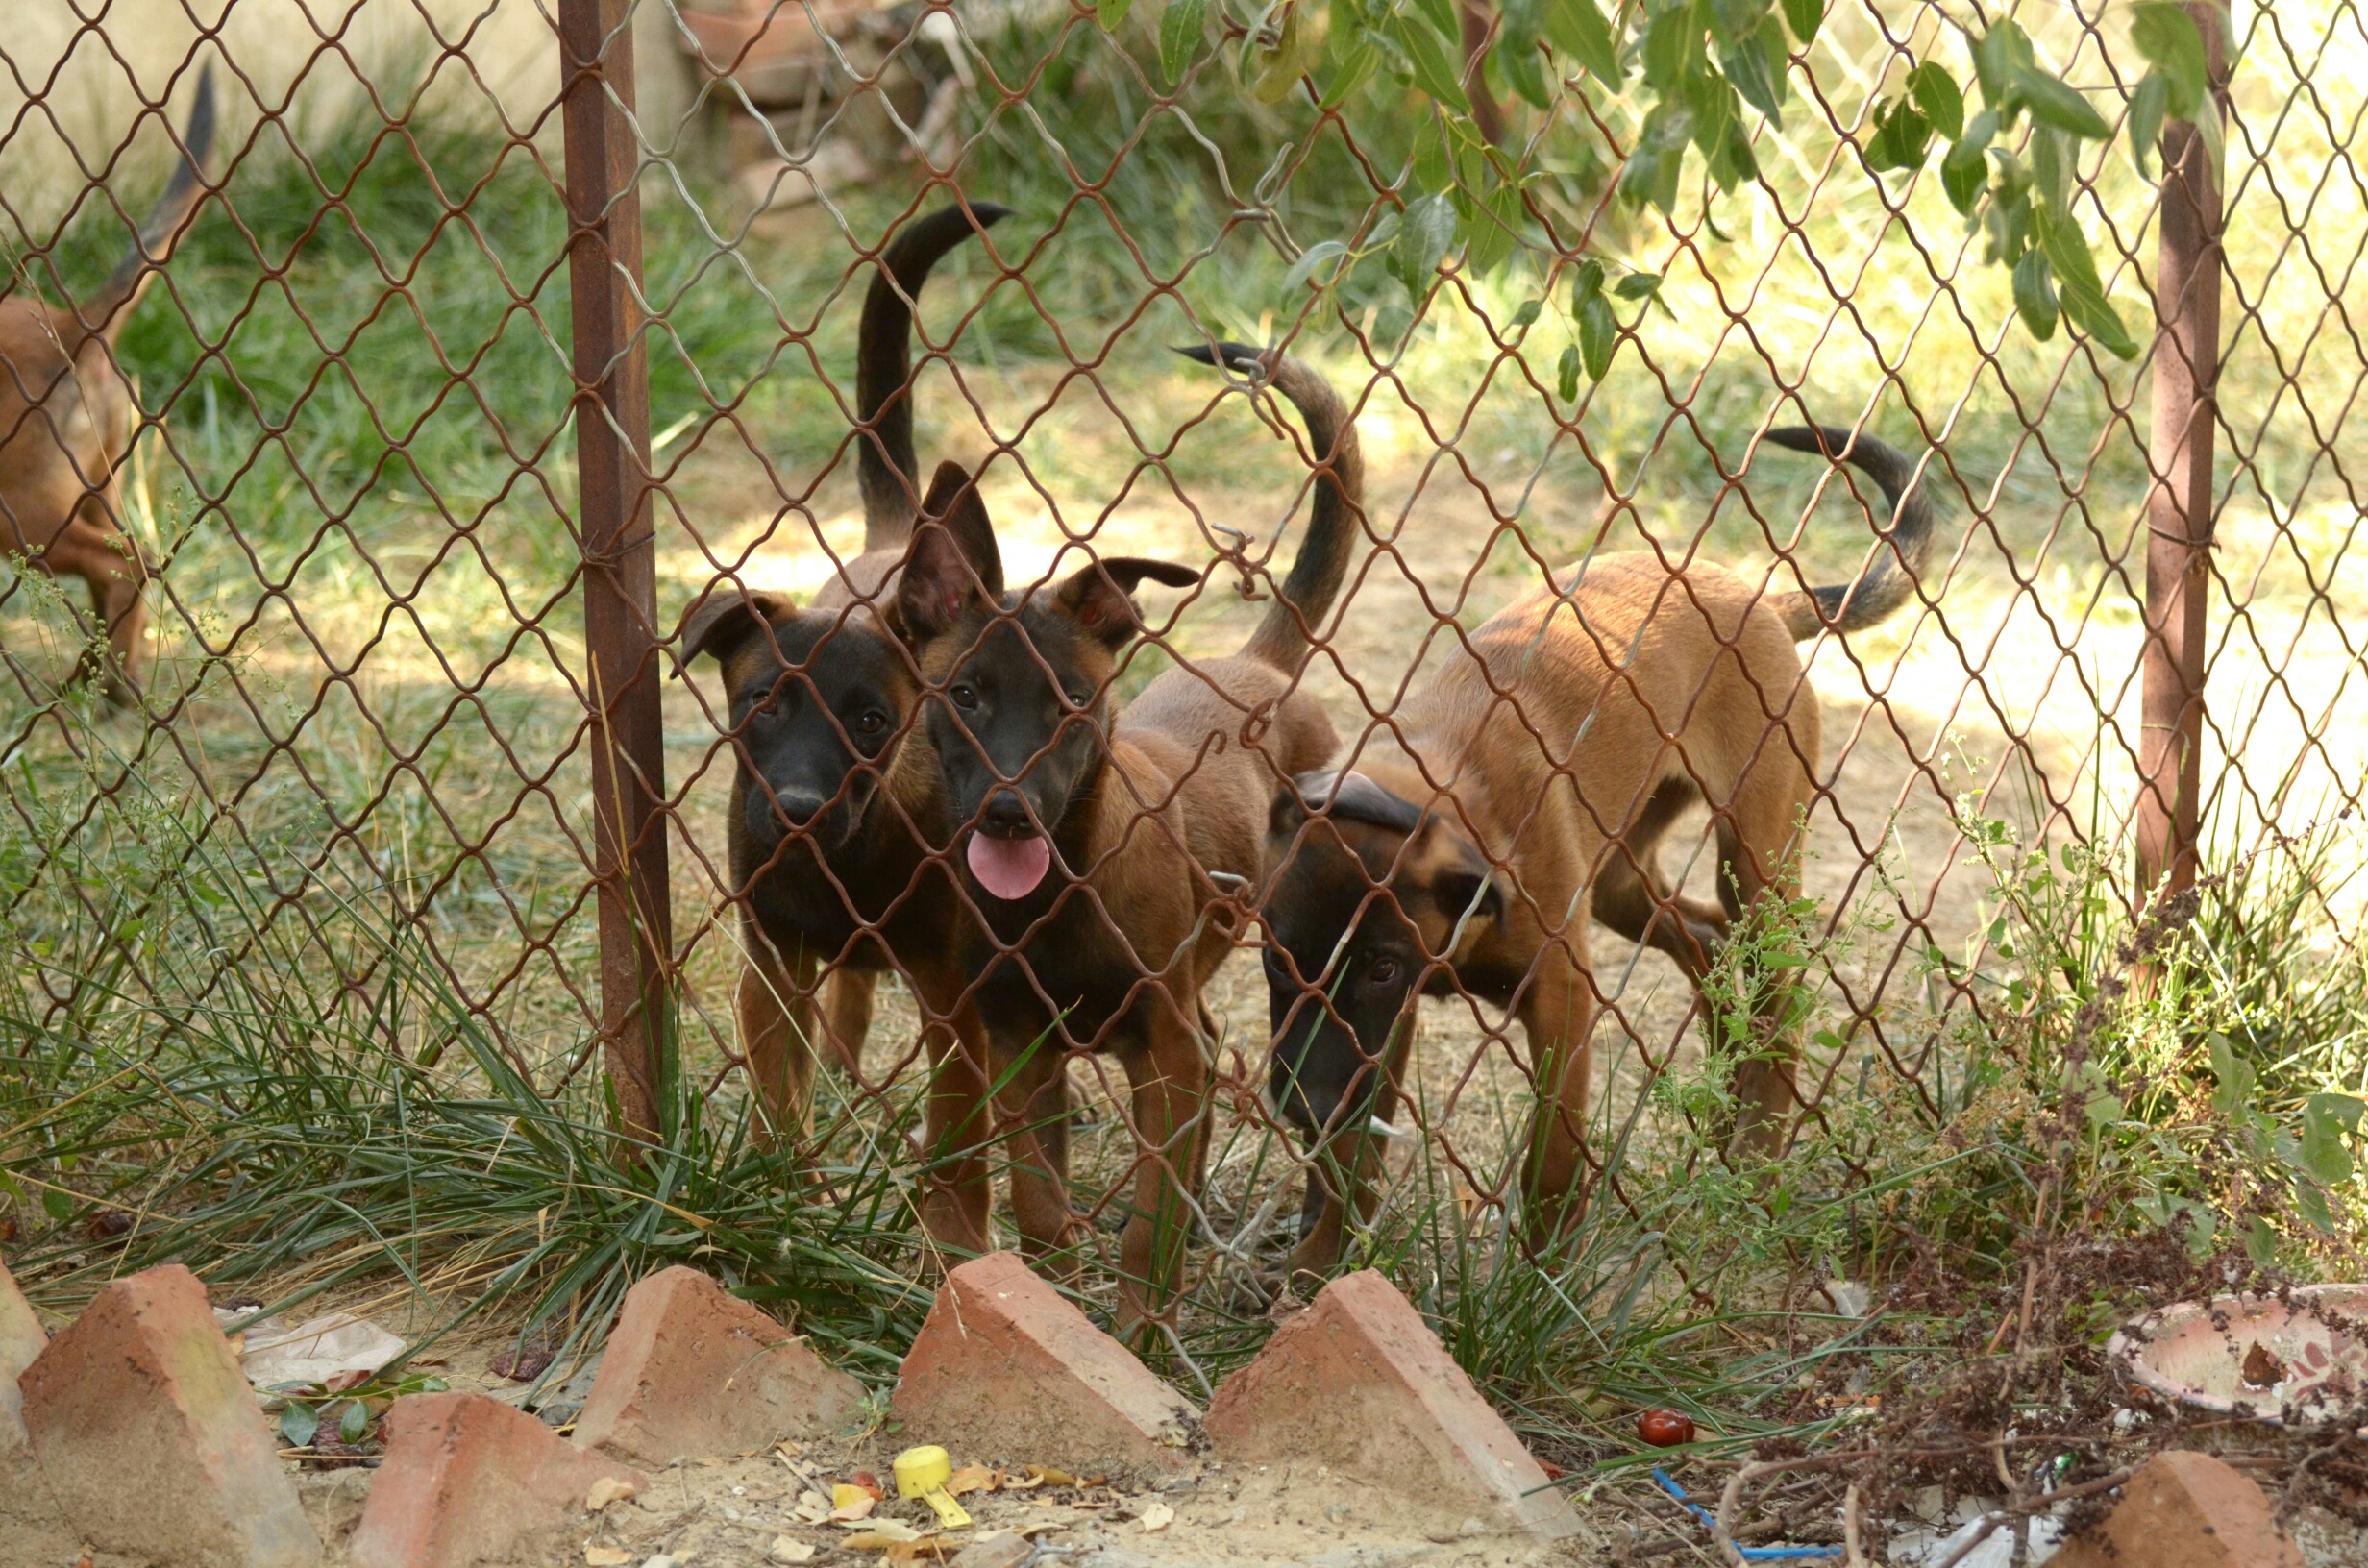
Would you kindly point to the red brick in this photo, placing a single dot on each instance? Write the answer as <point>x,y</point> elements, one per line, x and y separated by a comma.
<point>2185,1510</point>
<point>1006,1368</point>
<point>690,1371</point>
<point>1358,1381</point>
<point>148,1437</point>
<point>465,1478</point>
<point>21,1340</point>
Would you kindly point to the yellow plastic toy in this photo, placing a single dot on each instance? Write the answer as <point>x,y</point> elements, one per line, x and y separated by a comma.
<point>923,1473</point>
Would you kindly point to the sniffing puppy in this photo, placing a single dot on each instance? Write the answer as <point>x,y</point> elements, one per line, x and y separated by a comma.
<point>67,418</point>
<point>1100,852</point>
<point>1520,793</point>
<point>838,808</point>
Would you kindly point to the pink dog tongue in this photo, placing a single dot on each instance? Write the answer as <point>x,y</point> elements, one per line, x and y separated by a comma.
<point>1009,867</point>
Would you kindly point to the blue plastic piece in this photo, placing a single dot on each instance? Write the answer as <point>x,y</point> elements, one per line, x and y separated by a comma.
<point>1751,1554</point>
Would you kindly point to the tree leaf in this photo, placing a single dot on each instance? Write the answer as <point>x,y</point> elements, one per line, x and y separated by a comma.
<point>2051,166</point>
<point>2233,1077</point>
<point>1746,66</point>
<point>2147,108</point>
<point>1428,58</point>
<point>1441,14</point>
<point>1180,32</point>
<point>1638,285</point>
<point>2051,102</point>
<point>1294,55</point>
<point>1527,314</point>
<point>1423,238</point>
<point>355,1424</point>
<point>1902,133</point>
<point>2261,1242</point>
<point>2000,55</point>
<point>1936,93</point>
<point>1568,372</point>
<point>1803,17</point>
<point>1314,256</point>
<point>1598,335</point>
<point>1110,14</point>
<point>2035,295</point>
<point>1964,172</point>
<point>1578,27</point>
<point>1518,59</point>
<point>2168,38</point>
<point>2322,1152</point>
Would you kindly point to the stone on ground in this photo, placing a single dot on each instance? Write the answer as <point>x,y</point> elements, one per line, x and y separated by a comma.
<point>2185,1510</point>
<point>1358,1381</point>
<point>465,1478</point>
<point>1006,1368</point>
<point>692,1372</point>
<point>148,1438</point>
<point>21,1340</point>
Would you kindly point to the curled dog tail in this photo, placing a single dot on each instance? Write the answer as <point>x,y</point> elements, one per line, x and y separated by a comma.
<point>1321,565</point>
<point>885,470</point>
<point>1891,578</point>
<point>102,314</point>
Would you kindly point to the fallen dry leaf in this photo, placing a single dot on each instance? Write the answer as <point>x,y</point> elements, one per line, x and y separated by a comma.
<point>971,1477</point>
<point>849,1504</point>
<point>1158,1516</point>
<point>606,1490</point>
<point>929,1549</point>
<point>882,1534</point>
<point>812,1508</point>
<point>606,1556</point>
<point>1044,1476</point>
<point>786,1550</point>
<point>869,1482</point>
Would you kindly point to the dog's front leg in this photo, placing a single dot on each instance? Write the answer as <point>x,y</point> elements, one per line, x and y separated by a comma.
<point>955,1201</point>
<point>1558,1015</point>
<point>776,1005</point>
<point>1032,1108</point>
<point>1170,1082</point>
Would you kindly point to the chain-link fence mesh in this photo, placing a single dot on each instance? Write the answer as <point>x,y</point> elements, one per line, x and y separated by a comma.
<point>414,660</point>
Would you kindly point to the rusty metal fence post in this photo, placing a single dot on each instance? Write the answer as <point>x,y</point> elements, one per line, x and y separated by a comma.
<point>619,548</point>
<point>2179,510</point>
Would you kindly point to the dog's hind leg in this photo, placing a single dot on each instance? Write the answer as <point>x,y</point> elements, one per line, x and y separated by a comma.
<point>1759,862</point>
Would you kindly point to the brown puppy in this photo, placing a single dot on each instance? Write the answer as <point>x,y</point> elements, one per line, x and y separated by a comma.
<point>837,808</point>
<point>1103,857</point>
<point>68,417</point>
<point>1524,791</point>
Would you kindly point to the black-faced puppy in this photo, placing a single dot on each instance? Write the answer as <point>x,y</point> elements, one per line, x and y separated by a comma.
<point>67,418</point>
<point>1100,852</point>
<point>837,806</point>
<point>1461,856</point>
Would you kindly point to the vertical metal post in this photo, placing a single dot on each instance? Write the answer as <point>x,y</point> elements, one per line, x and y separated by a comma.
<point>619,557</point>
<point>2179,511</point>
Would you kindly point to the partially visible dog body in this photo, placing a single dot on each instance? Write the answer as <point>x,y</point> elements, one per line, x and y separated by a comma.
<point>837,805</point>
<point>1105,855</point>
<point>1521,792</point>
<point>67,418</point>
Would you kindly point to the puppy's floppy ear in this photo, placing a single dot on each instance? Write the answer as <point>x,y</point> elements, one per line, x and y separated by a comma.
<point>1465,883</point>
<point>953,563</point>
<point>1357,798</point>
<point>1290,810</point>
<point>726,619</point>
<point>1100,597</point>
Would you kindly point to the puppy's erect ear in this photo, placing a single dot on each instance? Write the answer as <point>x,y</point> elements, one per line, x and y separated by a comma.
<point>1100,597</point>
<point>953,563</point>
<point>726,619</point>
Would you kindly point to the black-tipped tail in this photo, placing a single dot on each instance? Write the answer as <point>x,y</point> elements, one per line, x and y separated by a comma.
<point>1889,580</point>
<point>1322,566</point>
<point>885,468</point>
<point>104,314</point>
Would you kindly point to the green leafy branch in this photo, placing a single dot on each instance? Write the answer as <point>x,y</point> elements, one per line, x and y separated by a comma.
<point>1698,70</point>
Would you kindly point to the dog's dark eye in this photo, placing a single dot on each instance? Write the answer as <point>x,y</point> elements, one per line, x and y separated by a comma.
<point>1079,699</point>
<point>1384,971</point>
<point>964,697</point>
<point>872,723</point>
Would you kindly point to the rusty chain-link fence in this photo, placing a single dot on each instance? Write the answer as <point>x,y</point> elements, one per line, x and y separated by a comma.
<point>482,521</point>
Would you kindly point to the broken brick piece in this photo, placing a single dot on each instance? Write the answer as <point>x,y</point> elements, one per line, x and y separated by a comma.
<point>21,1340</point>
<point>1005,1367</point>
<point>465,1478</point>
<point>1358,1381</point>
<point>690,1371</point>
<point>147,1436</point>
<point>2185,1510</point>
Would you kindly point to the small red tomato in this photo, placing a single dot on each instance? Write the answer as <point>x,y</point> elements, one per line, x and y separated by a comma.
<point>1665,1429</point>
